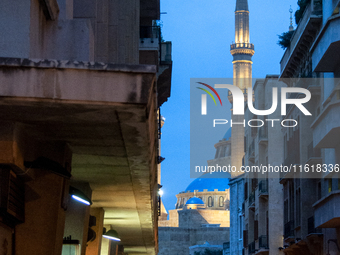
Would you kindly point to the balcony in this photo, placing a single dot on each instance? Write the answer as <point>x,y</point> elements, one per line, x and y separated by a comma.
<point>263,243</point>
<point>242,48</point>
<point>301,40</point>
<point>327,211</point>
<point>289,231</point>
<point>251,201</point>
<point>164,73</point>
<point>311,227</point>
<point>326,127</point>
<point>153,51</point>
<point>313,155</point>
<point>251,248</point>
<point>325,51</point>
<point>251,151</point>
<point>226,248</point>
<point>149,45</point>
<point>242,45</point>
<point>263,189</point>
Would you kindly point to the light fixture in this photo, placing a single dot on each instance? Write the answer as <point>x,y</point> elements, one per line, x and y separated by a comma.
<point>112,235</point>
<point>79,196</point>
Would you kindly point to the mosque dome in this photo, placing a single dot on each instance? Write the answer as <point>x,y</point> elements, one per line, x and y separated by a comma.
<point>194,201</point>
<point>217,181</point>
<point>227,134</point>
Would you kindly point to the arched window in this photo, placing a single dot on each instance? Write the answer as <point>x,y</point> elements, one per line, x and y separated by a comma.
<point>221,201</point>
<point>210,202</point>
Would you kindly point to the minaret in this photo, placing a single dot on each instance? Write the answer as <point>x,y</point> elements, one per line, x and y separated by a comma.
<point>291,28</point>
<point>242,51</point>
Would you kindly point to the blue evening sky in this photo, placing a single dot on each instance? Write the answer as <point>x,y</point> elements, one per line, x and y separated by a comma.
<point>201,33</point>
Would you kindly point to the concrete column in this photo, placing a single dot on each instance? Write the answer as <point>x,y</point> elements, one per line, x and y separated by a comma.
<point>42,231</point>
<point>94,247</point>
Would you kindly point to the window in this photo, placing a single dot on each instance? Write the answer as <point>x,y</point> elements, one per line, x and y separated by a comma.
<point>329,185</point>
<point>210,202</point>
<point>221,201</point>
<point>319,190</point>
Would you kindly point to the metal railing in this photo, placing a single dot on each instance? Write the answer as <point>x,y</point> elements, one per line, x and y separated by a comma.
<point>251,198</point>
<point>251,248</point>
<point>242,45</point>
<point>251,149</point>
<point>263,187</point>
<point>311,226</point>
<point>263,242</point>
<point>289,229</point>
<point>150,32</point>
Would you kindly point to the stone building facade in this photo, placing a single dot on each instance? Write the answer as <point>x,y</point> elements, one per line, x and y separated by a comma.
<point>307,203</point>
<point>262,206</point>
<point>81,83</point>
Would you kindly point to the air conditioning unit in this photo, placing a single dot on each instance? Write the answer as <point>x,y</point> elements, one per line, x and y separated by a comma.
<point>12,196</point>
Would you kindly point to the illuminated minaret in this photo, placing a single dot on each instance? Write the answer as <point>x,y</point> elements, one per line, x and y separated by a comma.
<point>242,51</point>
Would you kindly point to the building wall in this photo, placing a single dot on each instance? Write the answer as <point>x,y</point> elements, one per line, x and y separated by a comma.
<point>195,218</point>
<point>50,51</point>
<point>236,200</point>
<point>99,30</point>
<point>178,240</point>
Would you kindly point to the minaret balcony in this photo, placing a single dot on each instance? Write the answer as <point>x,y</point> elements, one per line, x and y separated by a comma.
<point>242,48</point>
<point>242,45</point>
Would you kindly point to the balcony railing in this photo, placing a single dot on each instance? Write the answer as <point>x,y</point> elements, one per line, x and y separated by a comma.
<point>263,187</point>
<point>251,248</point>
<point>242,45</point>
<point>263,242</point>
<point>150,32</point>
<point>251,150</point>
<point>311,226</point>
<point>251,199</point>
<point>289,229</point>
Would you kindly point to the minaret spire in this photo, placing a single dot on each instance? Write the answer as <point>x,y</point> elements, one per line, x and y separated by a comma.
<point>291,28</point>
<point>241,5</point>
